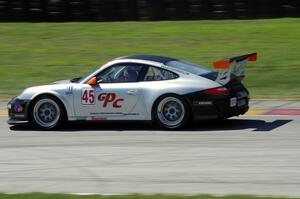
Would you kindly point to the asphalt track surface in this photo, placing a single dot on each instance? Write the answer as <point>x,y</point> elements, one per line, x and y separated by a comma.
<point>245,155</point>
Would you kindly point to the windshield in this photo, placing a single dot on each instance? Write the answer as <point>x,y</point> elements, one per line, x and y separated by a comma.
<point>188,67</point>
<point>85,76</point>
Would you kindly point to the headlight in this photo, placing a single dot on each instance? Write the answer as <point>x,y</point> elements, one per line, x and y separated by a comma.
<point>9,106</point>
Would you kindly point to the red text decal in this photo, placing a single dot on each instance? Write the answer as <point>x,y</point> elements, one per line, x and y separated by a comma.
<point>110,98</point>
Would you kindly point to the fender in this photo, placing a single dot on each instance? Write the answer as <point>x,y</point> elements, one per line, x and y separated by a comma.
<point>66,99</point>
<point>66,102</point>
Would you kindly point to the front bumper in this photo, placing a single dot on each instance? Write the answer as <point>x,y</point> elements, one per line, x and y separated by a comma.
<point>206,106</point>
<point>18,111</point>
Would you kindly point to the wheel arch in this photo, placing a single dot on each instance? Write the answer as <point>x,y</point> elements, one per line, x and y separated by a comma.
<point>64,105</point>
<point>169,94</point>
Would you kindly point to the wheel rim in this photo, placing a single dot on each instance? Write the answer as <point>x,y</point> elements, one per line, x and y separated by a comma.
<point>170,111</point>
<point>46,113</point>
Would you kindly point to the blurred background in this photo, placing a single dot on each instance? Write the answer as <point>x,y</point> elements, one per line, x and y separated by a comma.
<point>123,10</point>
<point>42,41</point>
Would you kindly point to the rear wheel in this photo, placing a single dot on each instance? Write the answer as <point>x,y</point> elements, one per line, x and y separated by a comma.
<point>47,113</point>
<point>171,112</point>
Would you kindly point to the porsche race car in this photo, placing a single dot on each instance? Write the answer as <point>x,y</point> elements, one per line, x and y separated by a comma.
<point>167,91</point>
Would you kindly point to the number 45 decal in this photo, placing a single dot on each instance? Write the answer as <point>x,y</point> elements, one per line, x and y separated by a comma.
<point>87,97</point>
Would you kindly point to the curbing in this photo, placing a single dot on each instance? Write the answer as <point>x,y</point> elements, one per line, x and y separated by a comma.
<point>3,112</point>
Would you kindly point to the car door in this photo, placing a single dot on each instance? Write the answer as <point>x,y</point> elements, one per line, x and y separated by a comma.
<point>115,95</point>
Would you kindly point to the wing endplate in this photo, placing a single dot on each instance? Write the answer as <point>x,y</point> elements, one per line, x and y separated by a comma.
<point>233,65</point>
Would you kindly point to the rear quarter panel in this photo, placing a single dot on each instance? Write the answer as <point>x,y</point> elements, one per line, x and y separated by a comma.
<point>152,90</point>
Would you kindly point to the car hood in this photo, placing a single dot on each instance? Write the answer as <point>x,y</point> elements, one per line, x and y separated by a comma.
<point>53,88</point>
<point>61,82</point>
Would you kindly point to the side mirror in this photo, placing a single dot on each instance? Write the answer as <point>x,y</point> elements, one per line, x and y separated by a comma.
<point>92,81</point>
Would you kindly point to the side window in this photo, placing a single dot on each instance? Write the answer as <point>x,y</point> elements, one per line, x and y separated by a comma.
<point>157,74</point>
<point>119,74</point>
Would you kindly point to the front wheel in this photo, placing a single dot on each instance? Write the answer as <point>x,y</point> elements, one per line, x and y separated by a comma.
<point>171,112</point>
<point>47,113</point>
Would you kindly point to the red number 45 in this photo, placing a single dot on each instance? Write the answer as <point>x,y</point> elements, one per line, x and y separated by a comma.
<point>87,97</point>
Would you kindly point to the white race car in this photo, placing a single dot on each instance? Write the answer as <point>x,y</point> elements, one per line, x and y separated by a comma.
<point>168,91</point>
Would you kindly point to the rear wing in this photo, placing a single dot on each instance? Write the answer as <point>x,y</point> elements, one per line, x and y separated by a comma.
<point>234,65</point>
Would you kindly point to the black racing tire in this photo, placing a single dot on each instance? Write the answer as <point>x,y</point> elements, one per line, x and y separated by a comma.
<point>47,112</point>
<point>171,112</point>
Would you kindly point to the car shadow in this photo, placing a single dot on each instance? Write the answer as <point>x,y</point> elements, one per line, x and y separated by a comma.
<point>215,125</point>
<point>242,124</point>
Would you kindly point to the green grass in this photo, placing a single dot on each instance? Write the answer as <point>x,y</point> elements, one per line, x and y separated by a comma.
<point>38,53</point>
<point>68,196</point>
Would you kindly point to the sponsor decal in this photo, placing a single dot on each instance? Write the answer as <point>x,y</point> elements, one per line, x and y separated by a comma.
<point>202,103</point>
<point>241,102</point>
<point>18,115</point>
<point>69,90</point>
<point>233,101</point>
<point>99,118</point>
<point>18,108</point>
<point>110,98</point>
<point>241,94</point>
